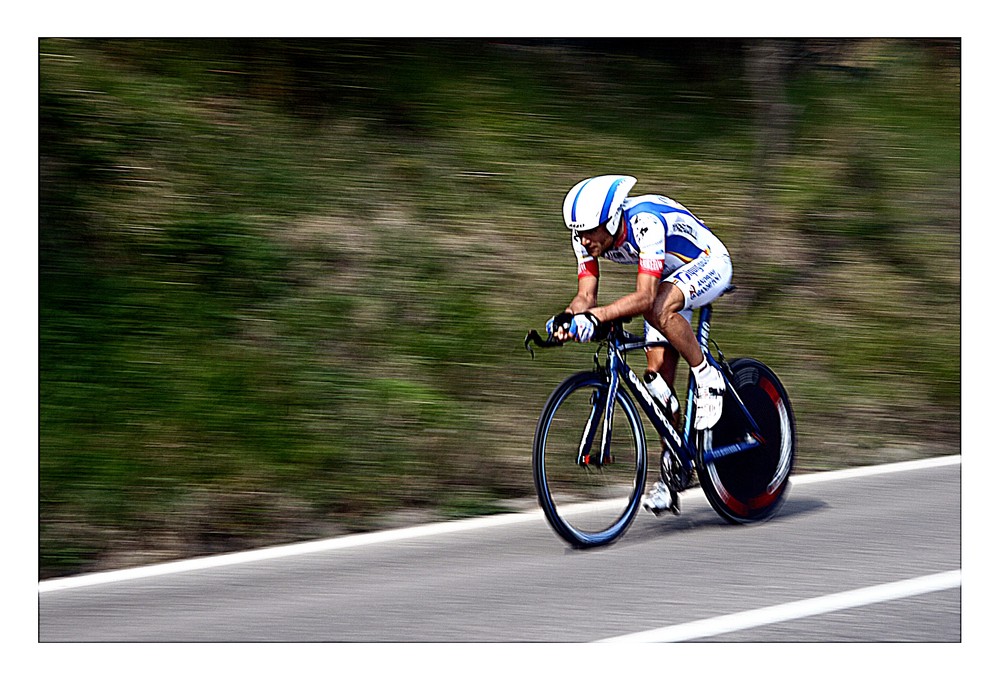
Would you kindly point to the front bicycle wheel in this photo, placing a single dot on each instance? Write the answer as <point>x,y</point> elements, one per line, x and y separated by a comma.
<point>749,485</point>
<point>588,501</point>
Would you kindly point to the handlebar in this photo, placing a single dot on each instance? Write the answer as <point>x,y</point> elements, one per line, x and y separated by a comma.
<point>603,331</point>
<point>534,337</point>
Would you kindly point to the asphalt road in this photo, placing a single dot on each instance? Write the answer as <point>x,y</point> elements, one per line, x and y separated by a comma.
<point>823,570</point>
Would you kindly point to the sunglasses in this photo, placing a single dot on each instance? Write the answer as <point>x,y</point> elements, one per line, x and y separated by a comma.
<point>577,235</point>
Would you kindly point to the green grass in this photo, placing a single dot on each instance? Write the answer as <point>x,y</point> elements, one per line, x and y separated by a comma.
<point>284,285</point>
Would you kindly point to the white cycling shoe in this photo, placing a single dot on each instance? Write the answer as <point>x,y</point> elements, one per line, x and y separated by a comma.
<point>708,396</point>
<point>661,499</point>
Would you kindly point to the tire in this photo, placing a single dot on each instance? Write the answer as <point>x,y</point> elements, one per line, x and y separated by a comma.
<point>588,505</point>
<point>750,486</point>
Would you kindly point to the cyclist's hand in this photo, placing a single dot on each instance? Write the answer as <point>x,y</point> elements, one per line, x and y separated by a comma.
<point>583,326</point>
<point>558,326</point>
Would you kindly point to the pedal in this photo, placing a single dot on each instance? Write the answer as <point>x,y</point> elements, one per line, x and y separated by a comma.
<point>673,472</point>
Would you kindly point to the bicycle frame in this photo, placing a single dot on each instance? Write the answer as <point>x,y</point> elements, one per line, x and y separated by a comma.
<point>743,475</point>
<point>619,344</point>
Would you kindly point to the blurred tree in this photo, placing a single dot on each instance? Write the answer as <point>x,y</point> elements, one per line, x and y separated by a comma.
<point>767,65</point>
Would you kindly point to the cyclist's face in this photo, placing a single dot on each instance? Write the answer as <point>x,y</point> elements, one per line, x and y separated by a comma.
<point>596,241</point>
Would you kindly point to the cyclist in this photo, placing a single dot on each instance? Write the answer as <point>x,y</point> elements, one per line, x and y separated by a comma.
<point>682,266</point>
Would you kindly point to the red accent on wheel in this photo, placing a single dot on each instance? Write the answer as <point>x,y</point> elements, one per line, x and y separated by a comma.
<point>737,507</point>
<point>764,499</point>
<point>771,391</point>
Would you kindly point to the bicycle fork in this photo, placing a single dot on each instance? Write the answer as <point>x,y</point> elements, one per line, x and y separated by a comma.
<point>597,407</point>
<point>602,414</point>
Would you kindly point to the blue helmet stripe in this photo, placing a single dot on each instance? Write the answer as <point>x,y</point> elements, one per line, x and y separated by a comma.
<point>606,210</point>
<point>577,198</point>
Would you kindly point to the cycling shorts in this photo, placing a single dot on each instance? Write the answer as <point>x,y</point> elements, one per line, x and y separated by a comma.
<point>701,281</point>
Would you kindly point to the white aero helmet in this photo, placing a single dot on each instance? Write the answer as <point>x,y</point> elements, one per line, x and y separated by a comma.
<point>597,201</point>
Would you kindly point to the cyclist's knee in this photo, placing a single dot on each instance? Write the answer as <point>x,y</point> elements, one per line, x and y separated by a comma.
<point>668,304</point>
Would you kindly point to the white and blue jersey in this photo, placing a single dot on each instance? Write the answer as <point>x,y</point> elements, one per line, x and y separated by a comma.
<point>660,235</point>
<point>667,241</point>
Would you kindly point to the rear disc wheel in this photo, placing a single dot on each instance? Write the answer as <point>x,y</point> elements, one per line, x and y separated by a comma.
<point>750,486</point>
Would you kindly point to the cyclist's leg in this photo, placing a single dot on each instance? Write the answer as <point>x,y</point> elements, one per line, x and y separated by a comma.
<point>663,360</point>
<point>667,317</point>
<point>694,285</point>
<point>663,494</point>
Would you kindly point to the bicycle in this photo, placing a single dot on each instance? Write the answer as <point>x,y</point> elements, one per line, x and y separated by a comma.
<point>743,463</point>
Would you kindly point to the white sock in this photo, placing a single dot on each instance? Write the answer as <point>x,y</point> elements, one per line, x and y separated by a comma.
<point>703,371</point>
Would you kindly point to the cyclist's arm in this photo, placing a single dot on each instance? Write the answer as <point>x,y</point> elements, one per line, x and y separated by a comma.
<point>587,275</point>
<point>586,295</point>
<point>633,304</point>
<point>650,234</point>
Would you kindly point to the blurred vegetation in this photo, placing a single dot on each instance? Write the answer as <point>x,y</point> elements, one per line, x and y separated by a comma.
<point>284,284</point>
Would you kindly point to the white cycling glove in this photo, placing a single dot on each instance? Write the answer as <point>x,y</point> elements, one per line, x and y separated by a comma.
<point>583,326</point>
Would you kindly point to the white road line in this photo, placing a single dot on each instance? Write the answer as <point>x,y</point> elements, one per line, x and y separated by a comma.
<point>322,545</point>
<point>421,531</point>
<point>797,610</point>
<point>885,469</point>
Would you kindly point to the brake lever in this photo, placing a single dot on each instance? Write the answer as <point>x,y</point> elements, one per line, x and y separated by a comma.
<point>534,337</point>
